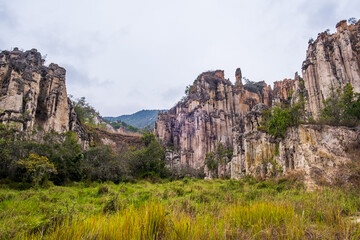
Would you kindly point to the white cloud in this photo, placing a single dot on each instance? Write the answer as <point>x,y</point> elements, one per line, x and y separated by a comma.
<point>124,56</point>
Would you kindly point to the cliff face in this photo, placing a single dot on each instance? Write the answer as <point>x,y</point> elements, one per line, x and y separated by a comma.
<point>315,150</point>
<point>216,111</point>
<point>206,118</point>
<point>331,62</point>
<point>33,96</point>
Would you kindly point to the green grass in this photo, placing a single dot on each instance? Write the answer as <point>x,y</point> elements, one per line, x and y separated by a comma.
<point>184,209</point>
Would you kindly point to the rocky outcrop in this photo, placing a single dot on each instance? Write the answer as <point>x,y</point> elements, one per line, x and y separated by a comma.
<point>332,61</point>
<point>33,96</point>
<point>316,150</point>
<point>217,112</point>
<point>119,142</point>
<point>206,118</point>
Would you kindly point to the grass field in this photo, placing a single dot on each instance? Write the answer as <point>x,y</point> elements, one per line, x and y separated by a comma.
<point>184,209</point>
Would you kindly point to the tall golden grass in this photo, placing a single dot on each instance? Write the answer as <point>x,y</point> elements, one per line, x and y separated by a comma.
<point>218,209</point>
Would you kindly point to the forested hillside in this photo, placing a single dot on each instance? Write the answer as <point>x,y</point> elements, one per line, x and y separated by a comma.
<point>140,119</point>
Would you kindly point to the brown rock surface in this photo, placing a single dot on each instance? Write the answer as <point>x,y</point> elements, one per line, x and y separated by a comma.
<point>207,116</point>
<point>218,112</point>
<point>315,150</point>
<point>332,61</point>
<point>120,142</point>
<point>33,96</point>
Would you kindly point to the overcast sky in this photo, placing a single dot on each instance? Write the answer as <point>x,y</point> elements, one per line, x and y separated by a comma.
<point>124,56</point>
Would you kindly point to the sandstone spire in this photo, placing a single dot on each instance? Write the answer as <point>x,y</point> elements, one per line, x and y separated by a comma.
<point>332,61</point>
<point>238,77</point>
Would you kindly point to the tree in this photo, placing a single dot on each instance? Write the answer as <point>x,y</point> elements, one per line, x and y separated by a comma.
<point>331,112</point>
<point>276,120</point>
<point>37,168</point>
<point>342,107</point>
<point>5,157</point>
<point>252,86</point>
<point>221,156</point>
<point>7,147</point>
<point>211,161</point>
<point>102,163</point>
<point>67,158</point>
<point>85,112</point>
<point>148,160</point>
<point>279,122</point>
<point>147,138</point>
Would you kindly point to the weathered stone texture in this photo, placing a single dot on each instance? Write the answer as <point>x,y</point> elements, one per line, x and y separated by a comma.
<point>218,112</point>
<point>317,150</point>
<point>206,118</point>
<point>332,61</point>
<point>33,96</point>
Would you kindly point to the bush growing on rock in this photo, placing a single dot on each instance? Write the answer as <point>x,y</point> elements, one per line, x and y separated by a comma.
<point>211,161</point>
<point>278,119</point>
<point>278,123</point>
<point>220,157</point>
<point>255,87</point>
<point>342,107</point>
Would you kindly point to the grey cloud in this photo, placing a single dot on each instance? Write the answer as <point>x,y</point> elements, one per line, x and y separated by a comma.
<point>124,58</point>
<point>75,77</point>
<point>169,94</point>
<point>6,17</point>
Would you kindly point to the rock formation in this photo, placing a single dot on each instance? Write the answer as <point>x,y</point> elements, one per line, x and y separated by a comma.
<point>33,95</point>
<point>217,112</point>
<point>119,142</point>
<point>33,98</point>
<point>207,116</point>
<point>331,62</point>
<point>315,150</point>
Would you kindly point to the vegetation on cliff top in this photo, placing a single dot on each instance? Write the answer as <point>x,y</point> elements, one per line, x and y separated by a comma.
<point>342,107</point>
<point>255,87</point>
<point>87,114</point>
<point>278,119</point>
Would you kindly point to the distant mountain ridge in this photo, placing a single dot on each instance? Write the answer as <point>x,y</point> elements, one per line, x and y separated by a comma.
<point>139,119</point>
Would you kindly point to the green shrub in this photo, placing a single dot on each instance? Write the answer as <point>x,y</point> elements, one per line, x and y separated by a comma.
<point>148,159</point>
<point>101,163</point>
<point>37,168</point>
<point>211,161</point>
<point>278,119</point>
<point>251,86</point>
<point>342,107</point>
<point>66,156</point>
<point>85,112</point>
<point>279,122</point>
<point>221,156</point>
<point>147,138</point>
<point>62,150</point>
